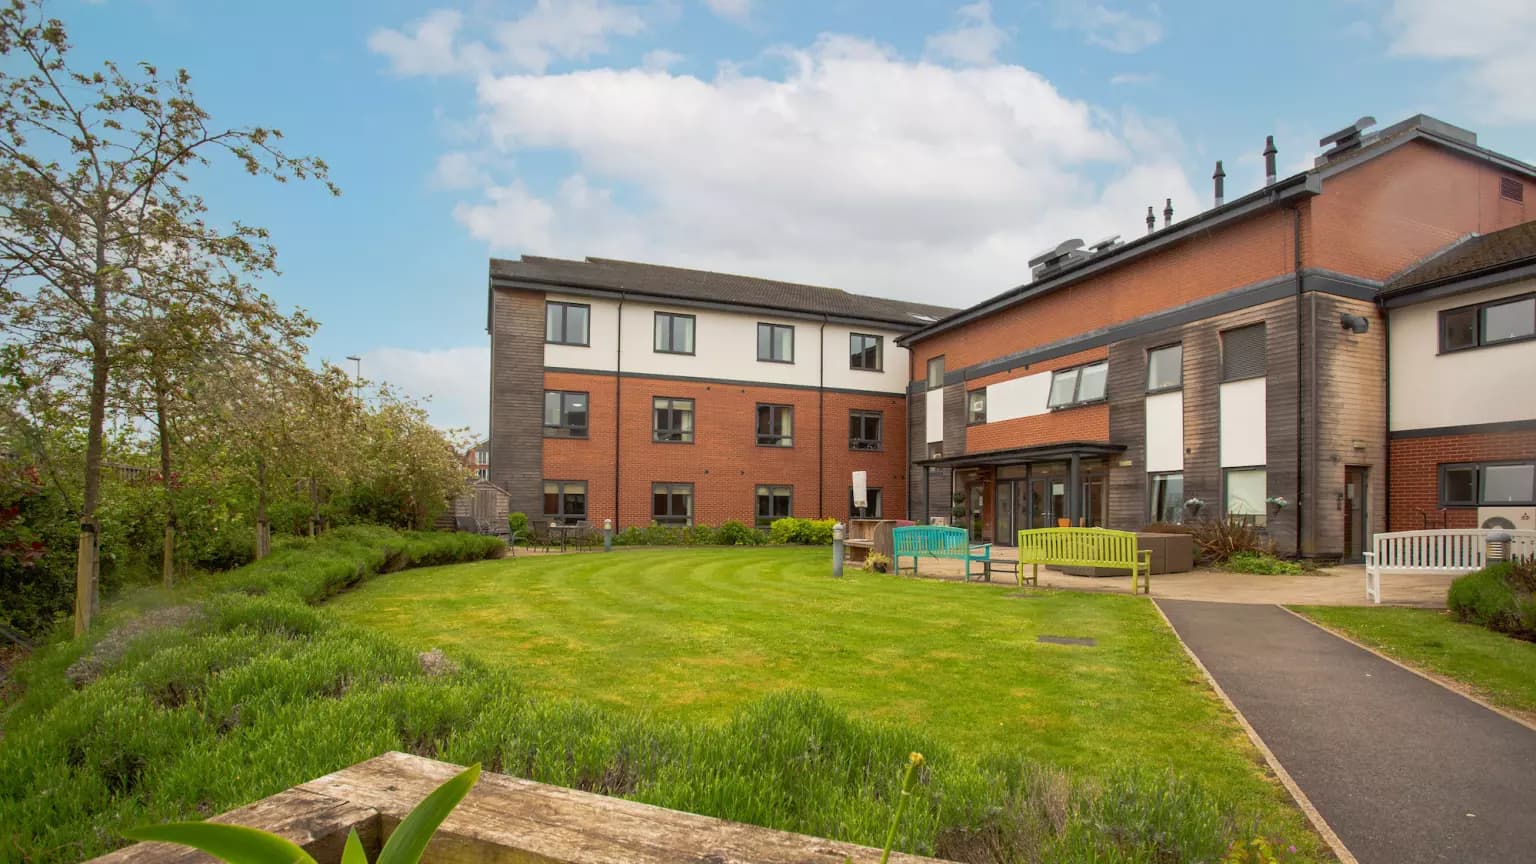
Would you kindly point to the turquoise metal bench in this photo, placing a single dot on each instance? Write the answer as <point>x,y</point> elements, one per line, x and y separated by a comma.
<point>1086,547</point>
<point>940,541</point>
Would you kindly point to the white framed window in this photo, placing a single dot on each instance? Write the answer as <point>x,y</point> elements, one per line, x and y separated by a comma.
<point>1079,385</point>
<point>1246,491</point>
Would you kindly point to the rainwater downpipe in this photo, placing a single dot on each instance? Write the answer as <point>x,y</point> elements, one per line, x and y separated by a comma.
<point>1303,500</point>
<point>618,387</point>
<point>821,421</point>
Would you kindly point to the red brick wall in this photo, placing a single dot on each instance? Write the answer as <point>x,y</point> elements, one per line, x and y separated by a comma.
<point>1415,488</point>
<point>725,464</point>
<point>1089,423</point>
<point>1397,209</point>
<point>1200,266</point>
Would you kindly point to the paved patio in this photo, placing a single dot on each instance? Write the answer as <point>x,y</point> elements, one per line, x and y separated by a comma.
<point>1333,586</point>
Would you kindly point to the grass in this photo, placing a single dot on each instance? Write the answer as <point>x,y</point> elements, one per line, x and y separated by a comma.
<point>262,690</point>
<point>1497,667</point>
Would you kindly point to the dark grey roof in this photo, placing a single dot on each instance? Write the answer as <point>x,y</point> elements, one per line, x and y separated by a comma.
<point>606,274</point>
<point>1472,256</point>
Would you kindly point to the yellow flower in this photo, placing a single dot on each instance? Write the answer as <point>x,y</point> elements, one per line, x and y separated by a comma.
<point>915,758</point>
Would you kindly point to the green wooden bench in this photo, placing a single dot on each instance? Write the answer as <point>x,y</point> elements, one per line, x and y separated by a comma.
<point>940,541</point>
<point>1086,547</point>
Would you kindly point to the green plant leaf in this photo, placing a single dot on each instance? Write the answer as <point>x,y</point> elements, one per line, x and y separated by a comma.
<point>235,844</point>
<point>410,839</point>
<point>354,853</point>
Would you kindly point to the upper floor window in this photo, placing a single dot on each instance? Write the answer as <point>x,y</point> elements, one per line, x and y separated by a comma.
<point>1079,385</point>
<point>775,343</point>
<point>674,333</point>
<point>672,420</point>
<point>936,372</point>
<point>565,500</point>
<point>864,430</point>
<point>1165,368</point>
<point>482,456</point>
<point>865,351</point>
<point>1497,321</point>
<point>773,502</point>
<point>976,407</point>
<point>567,323</point>
<point>672,503</point>
<point>776,425</point>
<point>1242,353</point>
<point>1488,483</point>
<point>565,414</point>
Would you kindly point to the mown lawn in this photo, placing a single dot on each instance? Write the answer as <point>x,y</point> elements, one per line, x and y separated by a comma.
<point>698,633</point>
<point>1499,668</point>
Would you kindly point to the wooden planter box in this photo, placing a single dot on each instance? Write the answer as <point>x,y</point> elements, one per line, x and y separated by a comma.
<point>504,819</point>
<point>1171,553</point>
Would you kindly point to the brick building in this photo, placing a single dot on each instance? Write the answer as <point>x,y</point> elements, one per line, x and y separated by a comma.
<point>478,460</point>
<point>644,394</point>
<point>1237,356</point>
<point>1462,387</point>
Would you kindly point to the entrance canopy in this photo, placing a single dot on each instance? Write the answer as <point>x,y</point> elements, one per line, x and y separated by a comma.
<point>1013,456</point>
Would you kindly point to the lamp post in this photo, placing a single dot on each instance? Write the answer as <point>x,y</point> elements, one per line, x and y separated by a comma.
<point>357,376</point>
<point>607,535</point>
<point>837,550</point>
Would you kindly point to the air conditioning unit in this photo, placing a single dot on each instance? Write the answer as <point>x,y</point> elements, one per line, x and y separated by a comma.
<point>1508,518</point>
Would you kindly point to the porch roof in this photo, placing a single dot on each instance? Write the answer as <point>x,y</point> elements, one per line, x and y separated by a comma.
<point>1038,453</point>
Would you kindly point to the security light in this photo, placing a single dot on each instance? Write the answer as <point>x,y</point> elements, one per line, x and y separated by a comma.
<point>1354,323</point>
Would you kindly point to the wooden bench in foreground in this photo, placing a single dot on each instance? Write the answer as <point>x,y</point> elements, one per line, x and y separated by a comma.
<point>1085,547</point>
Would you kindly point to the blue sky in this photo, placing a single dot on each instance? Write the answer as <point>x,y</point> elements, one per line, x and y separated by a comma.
<point>922,150</point>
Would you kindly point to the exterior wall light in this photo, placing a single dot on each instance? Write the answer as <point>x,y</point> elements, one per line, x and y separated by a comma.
<point>1354,323</point>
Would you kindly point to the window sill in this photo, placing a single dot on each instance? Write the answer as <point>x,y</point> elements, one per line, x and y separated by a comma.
<point>788,446</point>
<point>1499,344</point>
<point>670,441</point>
<point>857,449</point>
<point>570,344</point>
<point>568,435</point>
<point>1161,390</point>
<point>677,353</point>
<point>780,362</point>
<point>862,369</point>
<point>1071,405</point>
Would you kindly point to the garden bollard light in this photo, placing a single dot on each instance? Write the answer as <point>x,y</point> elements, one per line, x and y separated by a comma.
<point>1498,545</point>
<point>607,535</point>
<point>837,549</point>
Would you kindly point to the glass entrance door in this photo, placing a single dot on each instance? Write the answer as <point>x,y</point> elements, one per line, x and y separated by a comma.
<point>1047,501</point>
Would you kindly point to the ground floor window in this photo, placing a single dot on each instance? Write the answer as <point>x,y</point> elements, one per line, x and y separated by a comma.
<point>1471,484</point>
<point>565,500</point>
<point>1167,497</point>
<point>773,502</point>
<point>873,510</point>
<point>1246,491</point>
<point>672,503</point>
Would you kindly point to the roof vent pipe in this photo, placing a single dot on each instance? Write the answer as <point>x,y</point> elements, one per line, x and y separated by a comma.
<point>1167,212</point>
<point>1151,220</point>
<point>1220,179</point>
<point>1269,160</point>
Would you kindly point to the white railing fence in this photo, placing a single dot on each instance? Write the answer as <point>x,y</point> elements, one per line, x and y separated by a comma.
<point>1447,550</point>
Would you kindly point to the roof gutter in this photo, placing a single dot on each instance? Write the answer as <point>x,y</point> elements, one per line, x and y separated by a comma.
<point>1459,283</point>
<point>1284,192</point>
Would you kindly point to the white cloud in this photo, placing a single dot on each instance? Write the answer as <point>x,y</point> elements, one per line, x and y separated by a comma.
<point>451,382</point>
<point>661,59</point>
<point>1128,79</point>
<point>1491,39</point>
<point>855,168</point>
<point>550,31</point>
<point>736,10</point>
<point>1117,30</point>
<point>974,42</point>
<point>457,170</point>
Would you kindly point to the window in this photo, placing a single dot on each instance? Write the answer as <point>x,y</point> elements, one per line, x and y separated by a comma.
<point>776,425</point>
<point>1165,368</point>
<point>566,323</point>
<point>1508,320</point>
<point>976,407</point>
<point>672,503</point>
<point>674,333</point>
<point>872,508</point>
<point>1167,497</point>
<point>1487,483</point>
<point>1246,491</point>
<point>866,352</point>
<point>864,428</point>
<point>936,372</point>
<point>483,473</point>
<point>772,503</point>
<point>672,420</point>
<point>1242,353</point>
<point>1078,386</point>
<point>565,500</point>
<point>775,343</point>
<point>565,414</point>
<point>482,456</point>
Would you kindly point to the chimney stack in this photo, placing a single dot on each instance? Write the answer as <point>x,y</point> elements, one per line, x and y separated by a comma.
<point>1151,220</point>
<point>1269,160</point>
<point>1220,178</point>
<point>1167,212</point>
